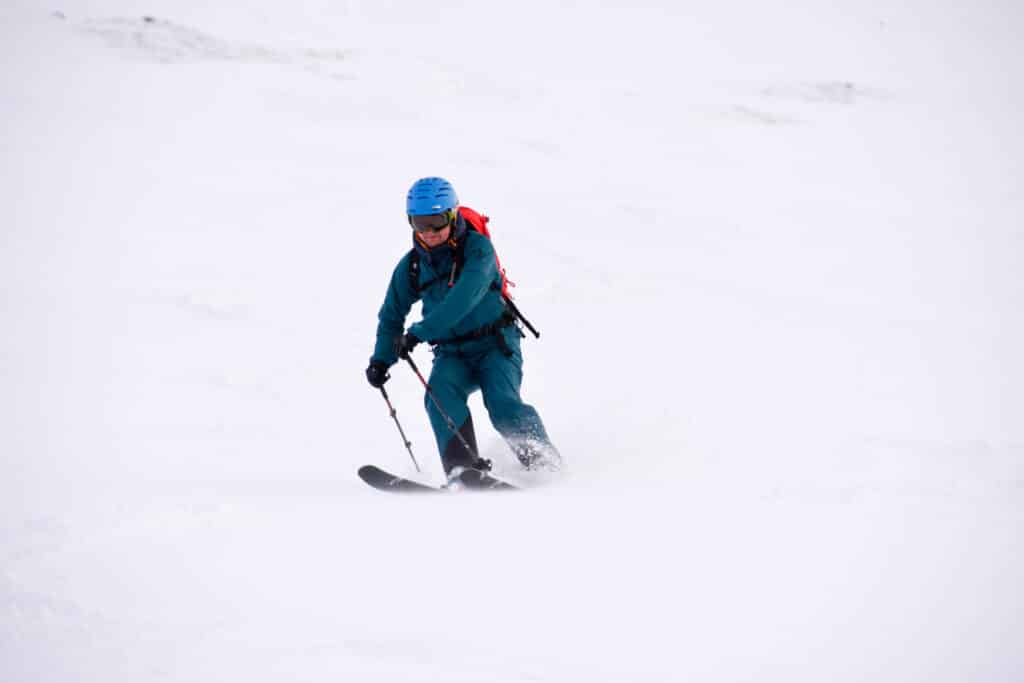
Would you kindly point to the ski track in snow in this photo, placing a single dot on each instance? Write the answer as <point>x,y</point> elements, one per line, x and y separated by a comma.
<point>151,38</point>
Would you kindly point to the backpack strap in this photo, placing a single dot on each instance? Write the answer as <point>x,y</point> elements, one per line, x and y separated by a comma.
<point>458,261</point>
<point>414,270</point>
<point>459,258</point>
<point>414,273</point>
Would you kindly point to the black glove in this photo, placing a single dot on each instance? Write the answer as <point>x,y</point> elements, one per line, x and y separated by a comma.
<point>405,344</point>
<point>377,374</point>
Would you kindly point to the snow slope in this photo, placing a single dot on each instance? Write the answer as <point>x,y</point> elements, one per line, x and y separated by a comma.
<point>774,252</point>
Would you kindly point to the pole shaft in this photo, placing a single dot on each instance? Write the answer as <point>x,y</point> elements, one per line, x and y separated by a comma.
<point>405,440</point>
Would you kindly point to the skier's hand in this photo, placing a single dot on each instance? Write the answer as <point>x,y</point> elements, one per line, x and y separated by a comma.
<point>405,344</point>
<point>377,374</point>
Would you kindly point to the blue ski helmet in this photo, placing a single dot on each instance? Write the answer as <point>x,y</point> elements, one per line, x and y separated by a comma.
<point>430,195</point>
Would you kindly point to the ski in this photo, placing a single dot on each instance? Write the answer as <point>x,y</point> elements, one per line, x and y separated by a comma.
<point>472,480</point>
<point>385,481</point>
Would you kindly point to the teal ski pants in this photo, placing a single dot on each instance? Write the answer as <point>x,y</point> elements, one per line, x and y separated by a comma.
<point>498,376</point>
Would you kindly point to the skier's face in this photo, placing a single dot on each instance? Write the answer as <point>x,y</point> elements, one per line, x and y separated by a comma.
<point>433,239</point>
<point>433,229</point>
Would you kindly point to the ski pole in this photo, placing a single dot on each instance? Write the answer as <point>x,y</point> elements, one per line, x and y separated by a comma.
<point>517,313</point>
<point>437,404</point>
<point>394,416</point>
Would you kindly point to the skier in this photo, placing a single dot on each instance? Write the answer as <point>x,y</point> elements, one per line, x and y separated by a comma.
<point>474,334</point>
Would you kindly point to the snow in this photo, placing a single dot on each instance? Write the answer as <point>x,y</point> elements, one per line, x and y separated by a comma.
<point>774,253</point>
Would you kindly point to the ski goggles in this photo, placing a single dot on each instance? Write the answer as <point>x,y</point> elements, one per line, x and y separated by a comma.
<point>435,222</point>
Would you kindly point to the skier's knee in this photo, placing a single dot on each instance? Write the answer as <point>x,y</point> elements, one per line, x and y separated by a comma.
<point>512,415</point>
<point>503,408</point>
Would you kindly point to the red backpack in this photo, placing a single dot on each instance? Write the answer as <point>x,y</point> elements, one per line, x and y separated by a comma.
<point>479,222</point>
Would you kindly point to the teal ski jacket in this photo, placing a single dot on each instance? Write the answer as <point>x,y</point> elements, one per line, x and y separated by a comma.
<point>471,303</point>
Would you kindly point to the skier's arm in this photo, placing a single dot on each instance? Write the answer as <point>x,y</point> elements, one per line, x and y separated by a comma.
<point>391,318</point>
<point>476,278</point>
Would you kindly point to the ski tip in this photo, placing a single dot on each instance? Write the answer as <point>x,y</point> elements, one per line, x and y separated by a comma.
<point>385,481</point>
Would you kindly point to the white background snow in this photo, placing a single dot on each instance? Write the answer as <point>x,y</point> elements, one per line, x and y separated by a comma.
<point>774,250</point>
